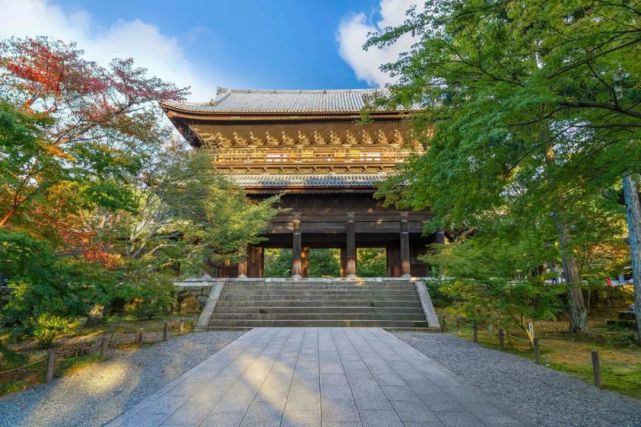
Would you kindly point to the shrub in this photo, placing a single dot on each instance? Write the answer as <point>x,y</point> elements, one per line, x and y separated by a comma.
<point>48,327</point>
<point>147,298</point>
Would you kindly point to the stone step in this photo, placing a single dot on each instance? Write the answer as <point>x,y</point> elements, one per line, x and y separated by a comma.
<point>314,291</point>
<point>318,303</point>
<point>317,316</point>
<point>311,310</point>
<point>321,287</point>
<point>321,295</point>
<point>317,323</point>
<point>318,283</point>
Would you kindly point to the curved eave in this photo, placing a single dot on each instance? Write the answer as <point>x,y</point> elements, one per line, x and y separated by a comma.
<point>174,112</point>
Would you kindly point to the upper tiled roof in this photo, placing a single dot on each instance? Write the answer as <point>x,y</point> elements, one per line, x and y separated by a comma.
<point>282,101</point>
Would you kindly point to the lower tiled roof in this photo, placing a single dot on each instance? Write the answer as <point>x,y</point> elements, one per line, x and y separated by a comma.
<point>308,181</point>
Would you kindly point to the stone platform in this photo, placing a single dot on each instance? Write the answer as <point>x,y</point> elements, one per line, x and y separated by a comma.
<point>314,377</point>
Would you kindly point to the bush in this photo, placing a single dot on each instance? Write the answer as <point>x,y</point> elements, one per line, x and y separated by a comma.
<point>148,298</point>
<point>48,327</point>
<point>503,304</point>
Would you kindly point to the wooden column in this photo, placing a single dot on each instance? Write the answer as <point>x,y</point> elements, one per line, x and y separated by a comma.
<point>350,237</point>
<point>393,261</point>
<point>296,250</point>
<point>405,247</point>
<point>343,256</point>
<point>255,261</point>
<point>304,259</point>
<point>242,266</point>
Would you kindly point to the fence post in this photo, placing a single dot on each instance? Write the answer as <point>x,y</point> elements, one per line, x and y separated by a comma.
<point>537,353</point>
<point>443,324</point>
<point>51,364</point>
<point>501,339</point>
<point>596,368</point>
<point>182,325</point>
<point>140,337</point>
<point>104,345</point>
<point>475,331</point>
<point>165,331</point>
<point>458,323</point>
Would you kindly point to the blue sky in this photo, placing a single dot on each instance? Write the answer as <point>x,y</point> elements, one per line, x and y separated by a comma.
<point>251,43</point>
<point>276,44</point>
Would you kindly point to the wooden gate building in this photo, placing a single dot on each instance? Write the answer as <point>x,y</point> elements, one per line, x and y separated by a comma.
<point>313,148</point>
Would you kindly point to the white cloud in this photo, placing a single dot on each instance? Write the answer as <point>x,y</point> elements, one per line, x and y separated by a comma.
<point>145,43</point>
<point>353,33</point>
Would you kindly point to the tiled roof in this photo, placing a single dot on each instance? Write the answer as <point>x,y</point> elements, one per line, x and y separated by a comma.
<point>308,181</point>
<point>282,101</point>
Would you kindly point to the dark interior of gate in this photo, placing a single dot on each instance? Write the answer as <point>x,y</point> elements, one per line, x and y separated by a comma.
<point>345,222</point>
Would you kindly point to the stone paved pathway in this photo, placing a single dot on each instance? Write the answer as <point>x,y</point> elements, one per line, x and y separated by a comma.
<point>318,376</point>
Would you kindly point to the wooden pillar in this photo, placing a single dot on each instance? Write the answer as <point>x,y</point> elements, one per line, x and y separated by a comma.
<point>296,250</point>
<point>405,246</point>
<point>242,266</point>
<point>393,261</point>
<point>350,237</point>
<point>304,259</point>
<point>343,255</point>
<point>255,261</point>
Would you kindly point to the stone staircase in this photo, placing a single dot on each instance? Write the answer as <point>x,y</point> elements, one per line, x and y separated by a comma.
<point>245,303</point>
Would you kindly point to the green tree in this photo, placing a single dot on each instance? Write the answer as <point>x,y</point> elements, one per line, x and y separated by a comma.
<point>372,262</point>
<point>324,262</point>
<point>531,106</point>
<point>278,262</point>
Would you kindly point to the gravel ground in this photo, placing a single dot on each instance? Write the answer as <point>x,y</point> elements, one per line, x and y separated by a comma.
<point>99,392</point>
<point>547,397</point>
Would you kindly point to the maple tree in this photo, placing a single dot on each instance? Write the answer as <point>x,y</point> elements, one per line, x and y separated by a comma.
<point>95,125</point>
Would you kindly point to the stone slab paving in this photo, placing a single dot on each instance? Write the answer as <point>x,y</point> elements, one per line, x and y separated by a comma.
<point>318,376</point>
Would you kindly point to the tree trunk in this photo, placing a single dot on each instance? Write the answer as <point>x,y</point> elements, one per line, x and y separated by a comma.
<point>95,315</point>
<point>578,312</point>
<point>633,211</point>
<point>5,219</point>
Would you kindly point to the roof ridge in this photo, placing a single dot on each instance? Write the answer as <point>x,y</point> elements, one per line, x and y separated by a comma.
<point>295,91</point>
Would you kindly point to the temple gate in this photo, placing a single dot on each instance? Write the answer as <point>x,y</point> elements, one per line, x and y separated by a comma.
<point>314,148</point>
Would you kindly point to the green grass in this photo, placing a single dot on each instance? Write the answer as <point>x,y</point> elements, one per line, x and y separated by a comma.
<point>14,386</point>
<point>620,359</point>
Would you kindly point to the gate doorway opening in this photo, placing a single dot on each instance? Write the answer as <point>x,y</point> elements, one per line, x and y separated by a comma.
<point>371,262</point>
<point>317,262</point>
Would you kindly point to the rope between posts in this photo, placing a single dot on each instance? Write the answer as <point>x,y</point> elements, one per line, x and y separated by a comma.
<point>609,362</point>
<point>23,366</point>
<point>628,381</point>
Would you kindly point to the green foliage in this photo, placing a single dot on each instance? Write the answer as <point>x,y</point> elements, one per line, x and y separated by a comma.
<point>95,206</point>
<point>278,262</point>
<point>371,262</point>
<point>48,327</point>
<point>324,262</point>
<point>148,298</point>
<point>530,119</point>
<point>38,279</point>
